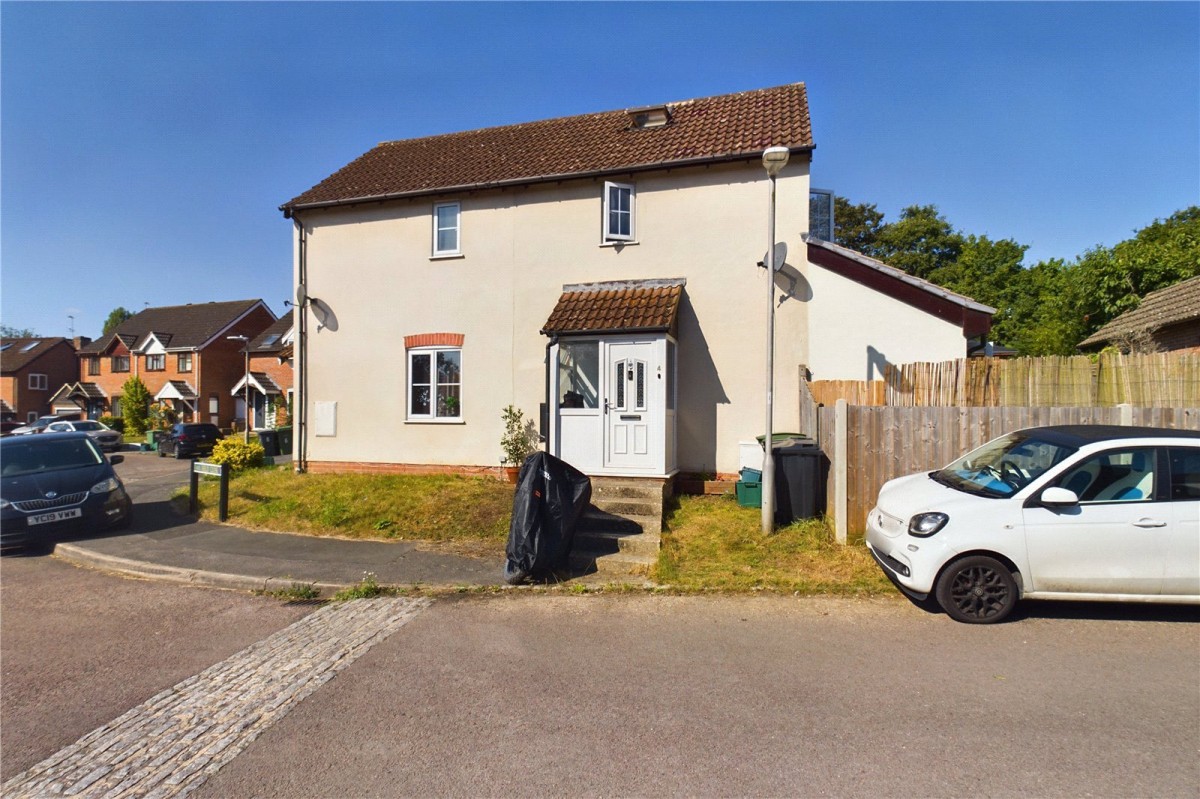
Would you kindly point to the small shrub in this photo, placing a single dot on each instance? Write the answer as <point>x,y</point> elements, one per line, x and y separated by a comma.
<point>367,588</point>
<point>238,454</point>
<point>115,422</point>
<point>296,592</point>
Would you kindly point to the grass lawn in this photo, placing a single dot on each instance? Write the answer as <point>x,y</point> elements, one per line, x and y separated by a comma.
<point>710,544</point>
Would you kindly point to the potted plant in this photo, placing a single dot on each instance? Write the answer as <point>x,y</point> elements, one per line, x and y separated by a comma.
<point>519,441</point>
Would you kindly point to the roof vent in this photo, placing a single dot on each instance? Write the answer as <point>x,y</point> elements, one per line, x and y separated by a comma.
<point>650,116</point>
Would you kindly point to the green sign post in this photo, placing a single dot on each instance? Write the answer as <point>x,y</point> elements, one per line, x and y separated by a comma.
<point>220,470</point>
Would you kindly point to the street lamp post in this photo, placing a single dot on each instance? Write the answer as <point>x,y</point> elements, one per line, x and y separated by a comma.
<point>774,159</point>
<point>245,382</point>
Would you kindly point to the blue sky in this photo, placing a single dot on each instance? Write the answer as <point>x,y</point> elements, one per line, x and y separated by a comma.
<point>145,147</point>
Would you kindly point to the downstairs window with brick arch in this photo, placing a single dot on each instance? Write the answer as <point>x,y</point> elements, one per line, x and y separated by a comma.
<point>434,377</point>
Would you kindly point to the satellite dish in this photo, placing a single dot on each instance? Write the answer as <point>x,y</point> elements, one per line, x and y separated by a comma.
<point>780,255</point>
<point>301,295</point>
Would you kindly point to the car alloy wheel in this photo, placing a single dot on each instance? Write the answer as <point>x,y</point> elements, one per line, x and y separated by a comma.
<point>977,590</point>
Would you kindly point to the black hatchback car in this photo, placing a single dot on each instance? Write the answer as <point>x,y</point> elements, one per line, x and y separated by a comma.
<point>57,483</point>
<point>189,439</point>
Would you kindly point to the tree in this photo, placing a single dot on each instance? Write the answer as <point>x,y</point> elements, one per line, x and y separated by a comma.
<point>135,406</point>
<point>856,226</point>
<point>114,320</point>
<point>921,242</point>
<point>16,332</point>
<point>1113,281</point>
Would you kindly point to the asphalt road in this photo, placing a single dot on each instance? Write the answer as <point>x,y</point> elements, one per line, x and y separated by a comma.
<point>671,696</point>
<point>620,695</point>
<point>78,648</point>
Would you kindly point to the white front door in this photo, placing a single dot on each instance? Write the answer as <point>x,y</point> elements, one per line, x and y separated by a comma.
<point>632,407</point>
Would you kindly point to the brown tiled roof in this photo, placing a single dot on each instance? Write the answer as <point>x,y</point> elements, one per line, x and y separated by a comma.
<point>706,130</point>
<point>1167,306</point>
<point>186,327</point>
<point>619,306</point>
<point>15,356</point>
<point>282,325</point>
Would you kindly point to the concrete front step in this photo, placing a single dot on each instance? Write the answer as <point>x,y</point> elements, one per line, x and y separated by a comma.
<point>609,542</point>
<point>615,563</point>
<point>595,519</point>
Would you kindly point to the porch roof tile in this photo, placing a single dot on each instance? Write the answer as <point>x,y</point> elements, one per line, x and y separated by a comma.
<point>617,307</point>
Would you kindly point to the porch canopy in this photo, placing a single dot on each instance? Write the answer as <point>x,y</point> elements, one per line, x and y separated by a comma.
<point>179,390</point>
<point>74,397</point>
<point>618,306</point>
<point>260,382</point>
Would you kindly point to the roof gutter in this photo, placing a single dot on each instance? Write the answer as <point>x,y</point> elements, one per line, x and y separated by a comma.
<point>288,209</point>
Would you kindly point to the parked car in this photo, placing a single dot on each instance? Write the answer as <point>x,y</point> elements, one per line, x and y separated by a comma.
<point>189,439</point>
<point>38,426</point>
<point>1070,512</point>
<point>105,437</point>
<point>57,483</point>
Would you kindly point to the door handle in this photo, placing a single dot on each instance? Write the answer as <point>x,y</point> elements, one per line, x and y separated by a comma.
<point>606,406</point>
<point>1149,523</point>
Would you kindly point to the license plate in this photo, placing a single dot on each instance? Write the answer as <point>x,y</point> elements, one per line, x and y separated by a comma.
<point>56,516</point>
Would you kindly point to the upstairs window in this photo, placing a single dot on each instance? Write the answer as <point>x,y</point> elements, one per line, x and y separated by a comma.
<point>37,382</point>
<point>93,364</point>
<point>183,362</point>
<point>446,219</point>
<point>618,212</point>
<point>120,363</point>
<point>156,363</point>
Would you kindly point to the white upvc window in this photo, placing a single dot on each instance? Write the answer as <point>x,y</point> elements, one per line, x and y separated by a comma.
<point>618,212</point>
<point>435,384</point>
<point>447,229</point>
<point>37,382</point>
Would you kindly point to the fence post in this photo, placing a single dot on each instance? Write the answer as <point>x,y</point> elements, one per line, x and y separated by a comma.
<point>840,457</point>
<point>1126,410</point>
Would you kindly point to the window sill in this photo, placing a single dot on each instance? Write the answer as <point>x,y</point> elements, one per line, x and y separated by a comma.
<point>434,421</point>
<point>446,256</point>
<point>618,243</point>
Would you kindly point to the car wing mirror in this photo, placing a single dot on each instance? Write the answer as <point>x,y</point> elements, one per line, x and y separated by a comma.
<point>115,459</point>
<point>1059,497</point>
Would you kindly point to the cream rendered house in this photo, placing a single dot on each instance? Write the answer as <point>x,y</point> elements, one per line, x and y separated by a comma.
<point>604,268</point>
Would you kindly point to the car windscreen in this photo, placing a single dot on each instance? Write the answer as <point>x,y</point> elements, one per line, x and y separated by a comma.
<point>89,427</point>
<point>40,455</point>
<point>1003,467</point>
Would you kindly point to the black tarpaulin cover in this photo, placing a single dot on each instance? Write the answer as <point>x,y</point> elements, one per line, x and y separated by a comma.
<point>551,496</point>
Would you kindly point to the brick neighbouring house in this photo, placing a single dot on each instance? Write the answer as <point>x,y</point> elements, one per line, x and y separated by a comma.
<point>270,376</point>
<point>30,370</point>
<point>181,352</point>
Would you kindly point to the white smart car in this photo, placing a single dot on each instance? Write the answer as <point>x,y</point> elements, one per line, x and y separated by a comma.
<point>1088,512</point>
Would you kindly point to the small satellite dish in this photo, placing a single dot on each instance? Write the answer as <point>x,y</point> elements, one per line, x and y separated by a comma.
<point>780,256</point>
<point>301,295</point>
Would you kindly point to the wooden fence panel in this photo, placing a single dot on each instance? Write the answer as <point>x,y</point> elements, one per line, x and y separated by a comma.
<point>887,442</point>
<point>1163,379</point>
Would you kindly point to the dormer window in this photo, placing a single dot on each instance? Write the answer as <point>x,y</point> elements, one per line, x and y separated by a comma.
<point>651,116</point>
<point>618,212</point>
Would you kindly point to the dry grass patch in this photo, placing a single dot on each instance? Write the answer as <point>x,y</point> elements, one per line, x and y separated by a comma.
<point>464,515</point>
<point>712,543</point>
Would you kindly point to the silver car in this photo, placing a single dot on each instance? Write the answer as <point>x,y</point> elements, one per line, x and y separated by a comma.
<point>105,437</point>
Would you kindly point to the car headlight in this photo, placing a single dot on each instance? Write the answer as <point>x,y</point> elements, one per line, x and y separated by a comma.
<point>4,503</point>
<point>106,486</point>
<point>926,524</point>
